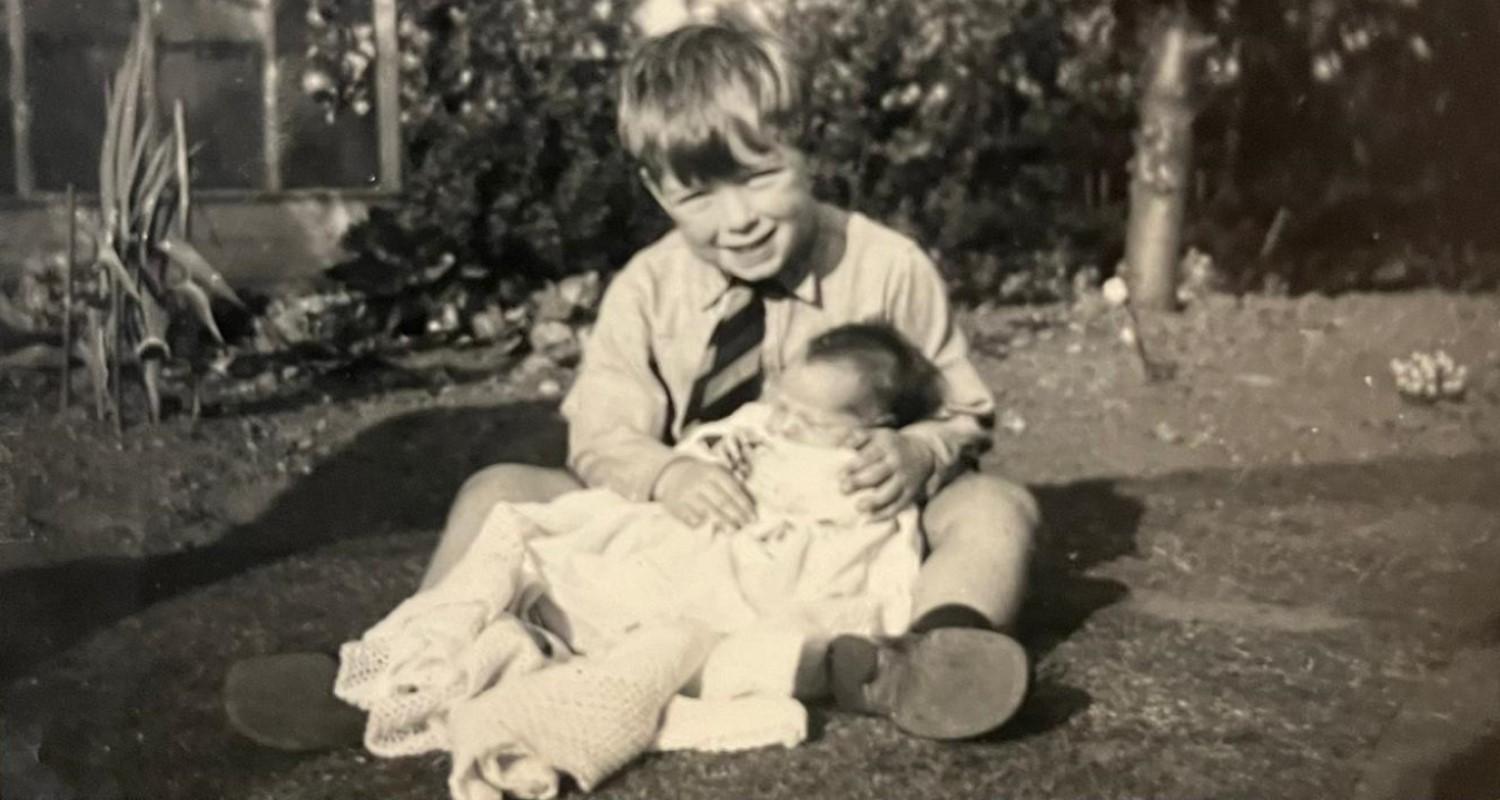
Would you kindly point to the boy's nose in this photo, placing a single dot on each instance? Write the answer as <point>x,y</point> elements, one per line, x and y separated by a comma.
<point>736,214</point>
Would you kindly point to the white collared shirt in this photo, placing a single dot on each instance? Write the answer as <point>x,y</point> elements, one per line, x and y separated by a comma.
<point>626,406</point>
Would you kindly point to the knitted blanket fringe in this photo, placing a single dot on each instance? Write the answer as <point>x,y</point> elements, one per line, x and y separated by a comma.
<point>457,667</point>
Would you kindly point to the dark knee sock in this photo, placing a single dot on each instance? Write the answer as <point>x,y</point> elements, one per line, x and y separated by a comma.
<point>952,615</point>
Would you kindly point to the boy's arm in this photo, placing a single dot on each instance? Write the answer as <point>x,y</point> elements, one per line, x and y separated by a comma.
<point>617,408</point>
<point>961,430</point>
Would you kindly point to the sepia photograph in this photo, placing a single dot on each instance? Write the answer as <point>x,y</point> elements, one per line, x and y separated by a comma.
<point>782,399</point>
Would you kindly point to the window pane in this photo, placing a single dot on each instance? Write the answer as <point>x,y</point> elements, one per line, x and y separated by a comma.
<point>66,78</point>
<point>315,153</point>
<point>69,57</point>
<point>219,83</point>
<point>211,20</point>
<point>81,19</point>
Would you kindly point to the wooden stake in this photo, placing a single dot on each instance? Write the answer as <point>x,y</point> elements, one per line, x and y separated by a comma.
<point>67,309</point>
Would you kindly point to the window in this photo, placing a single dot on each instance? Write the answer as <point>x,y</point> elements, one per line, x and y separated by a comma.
<point>236,65</point>
<point>318,153</point>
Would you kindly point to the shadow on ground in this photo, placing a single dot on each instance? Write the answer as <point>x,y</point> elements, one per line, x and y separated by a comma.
<point>132,710</point>
<point>1473,773</point>
<point>399,475</point>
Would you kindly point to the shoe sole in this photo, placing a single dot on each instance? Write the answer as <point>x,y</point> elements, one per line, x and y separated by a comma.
<point>959,683</point>
<point>286,702</point>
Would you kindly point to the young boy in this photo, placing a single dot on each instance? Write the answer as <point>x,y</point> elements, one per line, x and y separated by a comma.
<point>696,322</point>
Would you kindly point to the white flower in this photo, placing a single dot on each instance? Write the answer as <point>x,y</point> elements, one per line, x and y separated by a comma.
<point>1116,293</point>
<point>316,82</point>
<point>1326,67</point>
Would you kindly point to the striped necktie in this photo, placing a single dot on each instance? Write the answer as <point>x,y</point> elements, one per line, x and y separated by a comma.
<point>731,372</point>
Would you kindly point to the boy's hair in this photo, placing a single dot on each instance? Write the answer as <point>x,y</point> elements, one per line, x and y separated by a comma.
<point>902,381</point>
<point>689,96</point>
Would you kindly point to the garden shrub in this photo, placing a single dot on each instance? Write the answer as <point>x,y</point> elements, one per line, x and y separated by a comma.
<point>974,125</point>
<point>512,172</point>
<point>960,136</point>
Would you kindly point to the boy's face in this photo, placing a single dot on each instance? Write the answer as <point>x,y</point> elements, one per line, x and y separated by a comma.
<point>750,225</point>
<point>820,402</point>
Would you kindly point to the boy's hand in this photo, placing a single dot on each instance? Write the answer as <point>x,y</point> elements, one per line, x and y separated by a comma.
<point>697,491</point>
<point>890,466</point>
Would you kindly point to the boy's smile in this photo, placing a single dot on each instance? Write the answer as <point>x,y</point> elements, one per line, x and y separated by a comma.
<point>751,224</point>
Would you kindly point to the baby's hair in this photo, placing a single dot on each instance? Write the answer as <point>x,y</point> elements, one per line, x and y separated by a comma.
<point>689,97</point>
<point>903,381</point>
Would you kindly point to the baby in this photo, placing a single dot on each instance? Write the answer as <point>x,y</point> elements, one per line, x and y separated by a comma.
<point>812,560</point>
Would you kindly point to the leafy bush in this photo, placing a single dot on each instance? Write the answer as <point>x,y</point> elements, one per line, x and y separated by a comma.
<point>995,131</point>
<point>513,174</point>
<point>946,118</point>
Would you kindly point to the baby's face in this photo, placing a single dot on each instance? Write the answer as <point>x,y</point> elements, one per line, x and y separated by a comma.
<point>820,403</point>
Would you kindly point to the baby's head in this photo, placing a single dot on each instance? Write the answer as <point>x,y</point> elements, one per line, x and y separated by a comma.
<point>860,375</point>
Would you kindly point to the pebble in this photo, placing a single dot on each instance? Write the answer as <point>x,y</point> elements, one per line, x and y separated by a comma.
<point>1166,433</point>
<point>1013,422</point>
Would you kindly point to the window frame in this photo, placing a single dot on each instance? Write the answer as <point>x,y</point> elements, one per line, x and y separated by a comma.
<point>387,125</point>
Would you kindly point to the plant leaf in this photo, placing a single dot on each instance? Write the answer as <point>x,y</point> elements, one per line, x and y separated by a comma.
<point>107,210</point>
<point>184,179</point>
<point>151,376</point>
<point>111,260</point>
<point>154,181</point>
<point>185,255</point>
<point>154,323</point>
<point>128,84</point>
<point>197,299</point>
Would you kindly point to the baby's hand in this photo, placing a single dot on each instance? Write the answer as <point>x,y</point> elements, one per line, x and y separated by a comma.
<point>734,448</point>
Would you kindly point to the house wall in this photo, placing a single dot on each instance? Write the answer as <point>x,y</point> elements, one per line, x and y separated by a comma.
<point>258,244</point>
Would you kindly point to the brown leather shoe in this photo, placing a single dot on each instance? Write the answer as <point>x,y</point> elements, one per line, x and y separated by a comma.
<point>286,701</point>
<point>951,683</point>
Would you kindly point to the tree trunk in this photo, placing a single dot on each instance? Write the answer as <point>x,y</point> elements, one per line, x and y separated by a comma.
<point>1162,167</point>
